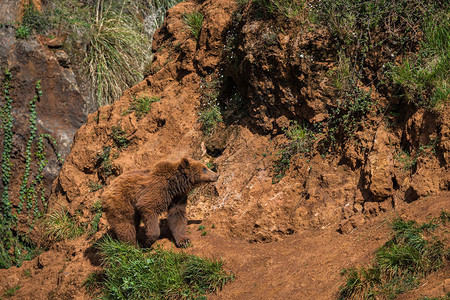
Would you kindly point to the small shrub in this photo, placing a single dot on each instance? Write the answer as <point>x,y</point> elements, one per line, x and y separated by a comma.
<point>300,140</point>
<point>134,273</point>
<point>406,160</point>
<point>194,22</point>
<point>22,32</point>
<point>105,165</point>
<point>59,225</point>
<point>34,19</point>
<point>141,106</point>
<point>119,137</point>
<point>347,115</point>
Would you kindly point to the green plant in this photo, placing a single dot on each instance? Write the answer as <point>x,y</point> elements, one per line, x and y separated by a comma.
<point>287,8</point>
<point>96,209</point>
<point>201,227</point>
<point>15,247</point>
<point>210,113</point>
<point>104,164</point>
<point>299,140</point>
<point>7,124</point>
<point>141,106</point>
<point>34,19</point>
<point>405,159</point>
<point>119,137</point>
<point>24,189</point>
<point>22,32</point>
<point>12,291</point>
<point>134,273</point>
<point>27,273</point>
<point>59,225</point>
<point>194,22</point>
<point>117,52</point>
<point>424,76</point>
<point>94,186</point>
<point>347,115</point>
<point>411,254</point>
<point>209,118</point>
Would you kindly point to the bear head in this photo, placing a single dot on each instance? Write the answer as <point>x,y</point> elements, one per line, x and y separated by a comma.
<point>198,172</point>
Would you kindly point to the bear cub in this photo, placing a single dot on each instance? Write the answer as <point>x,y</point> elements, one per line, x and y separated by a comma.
<point>145,194</point>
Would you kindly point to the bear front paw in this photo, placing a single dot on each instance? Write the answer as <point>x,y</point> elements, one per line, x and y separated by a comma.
<point>183,242</point>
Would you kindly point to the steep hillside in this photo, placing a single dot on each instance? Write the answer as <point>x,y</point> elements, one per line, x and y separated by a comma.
<point>318,142</point>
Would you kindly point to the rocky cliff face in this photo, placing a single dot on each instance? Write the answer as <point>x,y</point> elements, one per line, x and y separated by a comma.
<point>60,110</point>
<point>279,76</point>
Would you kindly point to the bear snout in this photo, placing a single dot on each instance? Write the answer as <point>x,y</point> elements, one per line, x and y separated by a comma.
<point>212,176</point>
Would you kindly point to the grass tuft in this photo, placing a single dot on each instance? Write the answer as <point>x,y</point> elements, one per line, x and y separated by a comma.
<point>59,225</point>
<point>117,51</point>
<point>194,21</point>
<point>411,254</point>
<point>135,273</point>
<point>141,106</point>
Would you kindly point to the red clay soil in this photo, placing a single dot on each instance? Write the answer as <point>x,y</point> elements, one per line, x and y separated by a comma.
<point>305,265</point>
<point>287,240</point>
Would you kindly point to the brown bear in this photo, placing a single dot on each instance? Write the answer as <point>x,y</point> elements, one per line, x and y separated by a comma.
<point>145,194</point>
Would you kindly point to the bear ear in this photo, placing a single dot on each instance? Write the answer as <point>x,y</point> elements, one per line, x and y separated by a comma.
<point>184,162</point>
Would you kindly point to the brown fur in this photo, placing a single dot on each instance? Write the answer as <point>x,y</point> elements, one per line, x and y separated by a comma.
<point>145,194</point>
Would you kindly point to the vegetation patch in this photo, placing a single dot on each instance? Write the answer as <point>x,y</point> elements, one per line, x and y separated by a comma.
<point>59,226</point>
<point>300,141</point>
<point>424,76</point>
<point>400,264</point>
<point>135,273</point>
<point>210,114</point>
<point>288,8</point>
<point>194,22</point>
<point>119,137</point>
<point>141,106</point>
<point>117,35</point>
<point>15,247</point>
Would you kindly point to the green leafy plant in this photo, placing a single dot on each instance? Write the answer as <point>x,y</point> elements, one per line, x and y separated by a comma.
<point>96,209</point>
<point>194,22</point>
<point>7,124</point>
<point>411,254</point>
<point>347,115</point>
<point>119,137</point>
<point>141,106</point>
<point>300,140</point>
<point>209,118</point>
<point>22,32</point>
<point>134,273</point>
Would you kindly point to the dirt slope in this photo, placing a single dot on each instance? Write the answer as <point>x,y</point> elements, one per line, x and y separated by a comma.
<point>282,240</point>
